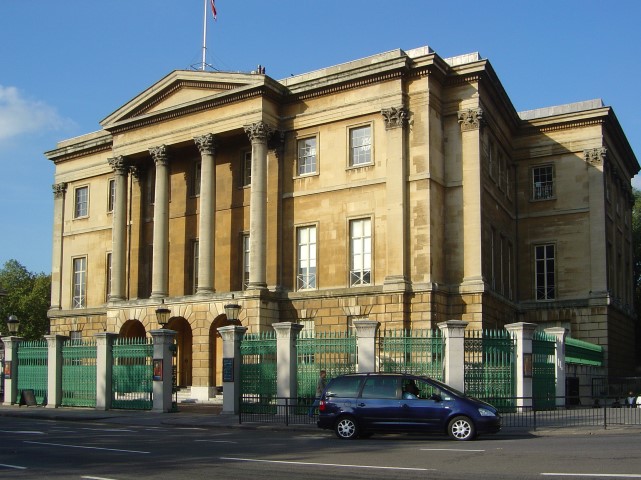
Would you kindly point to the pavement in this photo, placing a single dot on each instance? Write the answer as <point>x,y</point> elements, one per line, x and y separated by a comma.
<point>211,416</point>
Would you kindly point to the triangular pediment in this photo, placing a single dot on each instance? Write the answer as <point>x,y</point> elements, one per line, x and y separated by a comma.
<point>181,88</point>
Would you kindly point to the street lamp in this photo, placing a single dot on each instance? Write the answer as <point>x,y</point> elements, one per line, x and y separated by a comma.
<point>232,310</point>
<point>162,314</point>
<point>12,324</point>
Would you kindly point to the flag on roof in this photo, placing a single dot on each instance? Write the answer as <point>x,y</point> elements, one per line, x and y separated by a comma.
<point>213,8</point>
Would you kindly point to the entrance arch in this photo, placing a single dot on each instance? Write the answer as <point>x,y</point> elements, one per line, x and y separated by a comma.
<point>184,341</point>
<point>132,329</point>
<point>216,351</point>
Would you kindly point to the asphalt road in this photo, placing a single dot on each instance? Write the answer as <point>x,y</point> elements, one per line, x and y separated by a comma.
<point>47,449</point>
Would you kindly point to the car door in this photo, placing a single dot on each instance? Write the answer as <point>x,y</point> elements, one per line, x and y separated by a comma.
<point>379,407</point>
<point>427,411</point>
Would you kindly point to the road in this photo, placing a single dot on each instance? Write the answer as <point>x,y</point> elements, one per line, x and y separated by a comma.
<point>46,449</point>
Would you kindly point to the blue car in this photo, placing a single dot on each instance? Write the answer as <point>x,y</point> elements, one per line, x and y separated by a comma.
<point>360,404</point>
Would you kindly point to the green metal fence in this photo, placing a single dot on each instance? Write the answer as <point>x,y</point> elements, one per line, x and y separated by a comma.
<point>544,370</point>
<point>490,366</point>
<point>583,353</point>
<point>132,373</point>
<point>334,352</point>
<point>419,352</point>
<point>258,364</point>
<point>32,369</point>
<point>79,373</point>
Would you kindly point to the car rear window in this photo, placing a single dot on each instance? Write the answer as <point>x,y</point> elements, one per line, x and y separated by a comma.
<point>381,387</point>
<point>344,387</point>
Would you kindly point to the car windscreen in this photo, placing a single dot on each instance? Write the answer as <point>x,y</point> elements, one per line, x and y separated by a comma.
<point>344,387</point>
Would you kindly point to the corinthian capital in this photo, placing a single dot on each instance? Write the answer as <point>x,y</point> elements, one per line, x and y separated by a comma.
<point>206,144</point>
<point>595,156</point>
<point>59,189</point>
<point>160,154</point>
<point>394,117</point>
<point>470,119</point>
<point>259,131</point>
<point>119,165</point>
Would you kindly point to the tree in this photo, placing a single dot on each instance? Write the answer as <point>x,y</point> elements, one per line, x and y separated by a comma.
<point>28,298</point>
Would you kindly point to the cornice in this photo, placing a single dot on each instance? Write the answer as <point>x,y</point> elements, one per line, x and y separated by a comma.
<point>69,153</point>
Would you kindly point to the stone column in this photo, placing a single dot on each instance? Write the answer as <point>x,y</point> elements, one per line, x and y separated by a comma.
<point>523,333</point>
<point>104,369</point>
<point>160,268</point>
<point>454,357</point>
<point>471,122</point>
<point>232,336</point>
<point>286,383</point>
<point>163,357</point>
<point>54,369</point>
<point>366,344</point>
<point>396,195</point>
<point>59,191</point>
<point>559,359</point>
<point>258,133</point>
<point>595,160</point>
<point>119,230</point>
<point>207,225</point>
<point>11,367</point>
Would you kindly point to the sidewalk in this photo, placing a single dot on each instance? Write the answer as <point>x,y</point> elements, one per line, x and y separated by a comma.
<point>210,416</point>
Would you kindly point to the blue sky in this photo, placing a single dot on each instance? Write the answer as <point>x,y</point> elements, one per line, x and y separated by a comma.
<point>66,65</point>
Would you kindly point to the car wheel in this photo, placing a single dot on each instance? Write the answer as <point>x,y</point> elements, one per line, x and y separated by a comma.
<point>461,428</point>
<point>346,428</point>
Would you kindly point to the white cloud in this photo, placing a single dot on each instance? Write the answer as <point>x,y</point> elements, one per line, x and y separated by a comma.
<point>20,115</point>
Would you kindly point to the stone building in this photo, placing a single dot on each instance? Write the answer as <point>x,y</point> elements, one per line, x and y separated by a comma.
<point>403,187</point>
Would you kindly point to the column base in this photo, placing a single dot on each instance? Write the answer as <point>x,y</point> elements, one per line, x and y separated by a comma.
<point>396,283</point>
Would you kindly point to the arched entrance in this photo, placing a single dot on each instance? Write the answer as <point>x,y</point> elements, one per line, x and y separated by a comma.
<point>132,329</point>
<point>184,343</point>
<point>216,351</point>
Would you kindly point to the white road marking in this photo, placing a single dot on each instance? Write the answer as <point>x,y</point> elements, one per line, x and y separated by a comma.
<point>599,475</point>
<point>24,432</point>
<point>449,450</point>
<point>97,478</point>
<point>17,467</point>
<point>235,459</point>
<point>216,441</point>
<point>84,447</point>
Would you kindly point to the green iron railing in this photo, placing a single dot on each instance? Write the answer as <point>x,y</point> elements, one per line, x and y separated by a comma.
<point>544,370</point>
<point>490,366</point>
<point>419,352</point>
<point>132,373</point>
<point>258,365</point>
<point>583,353</point>
<point>334,352</point>
<point>79,373</point>
<point>32,369</point>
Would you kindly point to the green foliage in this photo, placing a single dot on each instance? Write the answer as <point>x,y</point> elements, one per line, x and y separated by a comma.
<point>28,298</point>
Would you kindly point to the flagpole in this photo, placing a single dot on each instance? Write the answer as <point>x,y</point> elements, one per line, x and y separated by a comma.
<point>204,36</point>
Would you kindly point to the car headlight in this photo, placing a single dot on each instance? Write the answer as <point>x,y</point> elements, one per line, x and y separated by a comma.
<point>484,412</point>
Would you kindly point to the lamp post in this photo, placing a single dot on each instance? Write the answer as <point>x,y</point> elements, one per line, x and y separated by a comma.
<point>13,324</point>
<point>162,314</point>
<point>232,310</point>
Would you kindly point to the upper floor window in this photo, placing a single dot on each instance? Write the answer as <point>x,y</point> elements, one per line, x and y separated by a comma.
<point>542,182</point>
<point>306,270</point>
<point>245,261</point>
<point>307,156</point>
<point>111,199</point>
<point>81,202</point>
<point>195,252</point>
<point>246,169</point>
<point>79,287</point>
<point>544,272</point>
<point>360,271</point>
<point>195,179</point>
<point>360,145</point>
<point>108,279</point>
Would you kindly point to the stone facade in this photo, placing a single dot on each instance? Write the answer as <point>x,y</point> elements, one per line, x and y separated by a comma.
<point>402,187</point>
